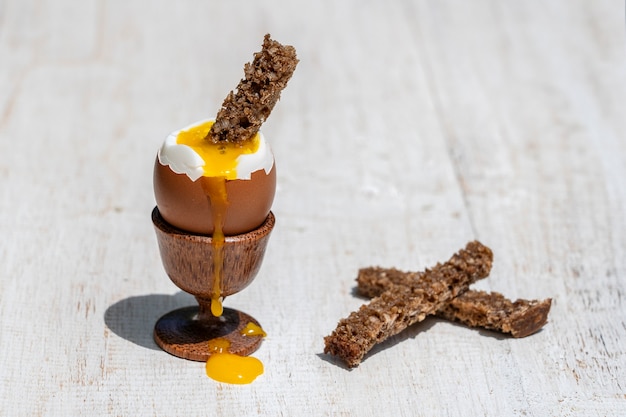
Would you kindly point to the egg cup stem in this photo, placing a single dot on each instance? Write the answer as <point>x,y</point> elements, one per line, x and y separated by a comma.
<point>204,309</point>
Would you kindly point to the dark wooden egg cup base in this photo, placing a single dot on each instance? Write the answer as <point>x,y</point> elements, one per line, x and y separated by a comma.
<point>184,334</point>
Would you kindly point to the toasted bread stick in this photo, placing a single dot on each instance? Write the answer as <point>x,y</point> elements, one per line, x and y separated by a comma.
<point>401,306</point>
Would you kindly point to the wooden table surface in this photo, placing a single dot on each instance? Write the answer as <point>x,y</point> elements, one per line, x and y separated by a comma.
<point>408,129</point>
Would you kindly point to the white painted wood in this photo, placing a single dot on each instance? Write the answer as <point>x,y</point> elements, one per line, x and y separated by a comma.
<point>408,129</point>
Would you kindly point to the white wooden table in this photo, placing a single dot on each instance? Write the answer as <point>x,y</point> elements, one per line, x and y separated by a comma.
<point>408,129</point>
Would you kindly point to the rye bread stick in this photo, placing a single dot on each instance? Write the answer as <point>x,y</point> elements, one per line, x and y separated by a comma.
<point>244,110</point>
<point>401,306</point>
<point>491,310</point>
<point>494,311</point>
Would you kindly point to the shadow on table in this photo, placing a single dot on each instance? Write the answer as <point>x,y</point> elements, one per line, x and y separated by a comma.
<point>133,318</point>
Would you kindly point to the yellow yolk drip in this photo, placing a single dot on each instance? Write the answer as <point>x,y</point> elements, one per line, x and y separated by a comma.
<point>215,189</point>
<point>224,366</point>
<point>218,345</point>
<point>252,329</point>
<point>220,165</point>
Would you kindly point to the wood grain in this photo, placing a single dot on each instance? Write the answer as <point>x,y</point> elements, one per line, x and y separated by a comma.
<point>408,129</point>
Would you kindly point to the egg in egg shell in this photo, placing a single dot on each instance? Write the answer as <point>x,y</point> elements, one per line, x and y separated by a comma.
<point>187,196</point>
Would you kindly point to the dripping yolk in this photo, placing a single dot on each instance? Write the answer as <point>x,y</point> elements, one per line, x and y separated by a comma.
<point>218,345</point>
<point>220,160</point>
<point>227,367</point>
<point>252,329</point>
<point>220,165</point>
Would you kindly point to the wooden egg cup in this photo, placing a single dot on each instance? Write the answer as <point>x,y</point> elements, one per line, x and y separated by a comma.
<point>188,261</point>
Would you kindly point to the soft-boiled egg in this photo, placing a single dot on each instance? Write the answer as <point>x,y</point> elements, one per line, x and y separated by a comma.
<point>188,177</point>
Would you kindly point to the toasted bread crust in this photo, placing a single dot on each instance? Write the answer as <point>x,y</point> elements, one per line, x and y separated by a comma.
<point>489,310</point>
<point>400,306</point>
<point>244,110</point>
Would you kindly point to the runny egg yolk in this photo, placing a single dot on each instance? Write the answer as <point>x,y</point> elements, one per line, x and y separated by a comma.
<point>220,164</point>
<point>224,366</point>
<point>220,160</point>
<point>252,329</point>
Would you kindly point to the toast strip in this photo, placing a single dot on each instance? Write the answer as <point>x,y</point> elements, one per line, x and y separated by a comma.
<point>491,310</point>
<point>244,111</point>
<point>400,306</point>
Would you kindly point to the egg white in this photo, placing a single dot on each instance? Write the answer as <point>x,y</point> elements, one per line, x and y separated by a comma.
<point>182,159</point>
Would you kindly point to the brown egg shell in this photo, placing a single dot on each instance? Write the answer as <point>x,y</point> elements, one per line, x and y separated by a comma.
<point>184,204</point>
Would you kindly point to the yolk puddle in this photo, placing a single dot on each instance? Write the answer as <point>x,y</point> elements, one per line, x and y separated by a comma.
<point>220,165</point>
<point>227,367</point>
<point>233,369</point>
